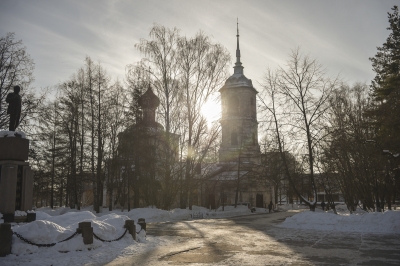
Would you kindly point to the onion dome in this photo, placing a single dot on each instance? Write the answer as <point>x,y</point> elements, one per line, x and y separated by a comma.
<point>149,103</point>
<point>149,100</point>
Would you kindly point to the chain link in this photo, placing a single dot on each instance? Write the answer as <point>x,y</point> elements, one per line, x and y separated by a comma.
<point>96,236</point>
<point>42,245</point>
<point>68,238</point>
<point>77,232</point>
<point>139,231</point>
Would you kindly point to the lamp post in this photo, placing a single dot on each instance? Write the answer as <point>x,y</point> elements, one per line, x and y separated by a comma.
<point>129,187</point>
<point>122,182</point>
<point>129,197</point>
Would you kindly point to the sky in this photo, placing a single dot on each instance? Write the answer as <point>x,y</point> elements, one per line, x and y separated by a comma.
<point>341,35</point>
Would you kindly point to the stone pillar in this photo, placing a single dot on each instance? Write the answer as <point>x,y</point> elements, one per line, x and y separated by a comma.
<point>130,225</point>
<point>8,187</point>
<point>16,176</point>
<point>27,189</point>
<point>87,232</point>
<point>142,223</point>
<point>5,239</point>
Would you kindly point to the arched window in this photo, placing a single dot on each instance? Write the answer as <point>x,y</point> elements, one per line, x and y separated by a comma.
<point>233,105</point>
<point>234,138</point>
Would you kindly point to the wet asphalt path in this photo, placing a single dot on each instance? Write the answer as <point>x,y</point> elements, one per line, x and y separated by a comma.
<point>257,240</point>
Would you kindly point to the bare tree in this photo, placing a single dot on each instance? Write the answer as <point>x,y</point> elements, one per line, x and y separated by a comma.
<point>202,67</point>
<point>16,68</point>
<point>69,111</point>
<point>161,58</point>
<point>116,122</point>
<point>299,93</point>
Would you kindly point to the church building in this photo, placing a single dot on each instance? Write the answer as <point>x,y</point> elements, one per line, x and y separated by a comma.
<point>240,174</point>
<point>239,117</point>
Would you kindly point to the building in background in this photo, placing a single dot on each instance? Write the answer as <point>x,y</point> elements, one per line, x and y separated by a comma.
<point>143,150</point>
<point>240,176</point>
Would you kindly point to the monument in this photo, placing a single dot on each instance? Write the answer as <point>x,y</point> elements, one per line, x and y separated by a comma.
<point>14,107</point>
<point>16,176</point>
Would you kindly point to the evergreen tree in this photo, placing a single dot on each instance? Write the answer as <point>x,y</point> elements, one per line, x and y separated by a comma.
<point>386,86</point>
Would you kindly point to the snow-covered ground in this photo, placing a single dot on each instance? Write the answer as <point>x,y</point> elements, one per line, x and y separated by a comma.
<point>387,222</point>
<point>52,226</point>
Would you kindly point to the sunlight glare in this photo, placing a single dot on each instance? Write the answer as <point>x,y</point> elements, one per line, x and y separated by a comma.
<point>211,110</point>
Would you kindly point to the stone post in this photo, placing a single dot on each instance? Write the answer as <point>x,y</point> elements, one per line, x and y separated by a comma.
<point>5,239</point>
<point>8,217</point>
<point>87,232</point>
<point>30,217</point>
<point>130,225</point>
<point>142,223</point>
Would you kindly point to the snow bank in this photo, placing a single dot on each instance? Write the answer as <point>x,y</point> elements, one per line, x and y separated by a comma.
<point>230,211</point>
<point>152,214</point>
<point>375,222</point>
<point>53,226</point>
<point>158,215</point>
<point>56,225</point>
<point>52,229</point>
<point>57,211</point>
<point>12,134</point>
<point>294,206</point>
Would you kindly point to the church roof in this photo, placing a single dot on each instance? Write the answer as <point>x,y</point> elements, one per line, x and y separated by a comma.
<point>149,99</point>
<point>238,79</point>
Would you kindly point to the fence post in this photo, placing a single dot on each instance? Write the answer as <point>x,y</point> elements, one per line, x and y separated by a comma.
<point>87,232</point>
<point>5,239</point>
<point>130,225</point>
<point>142,223</point>
<point>8,217</point>
<point>30,217</point>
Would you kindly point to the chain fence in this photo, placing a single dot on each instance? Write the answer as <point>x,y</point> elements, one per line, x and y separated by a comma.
<point>68,238</point>
<point>97,237</point>
<point>43,245</point>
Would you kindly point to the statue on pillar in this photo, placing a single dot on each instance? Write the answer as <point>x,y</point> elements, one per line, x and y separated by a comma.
<point>14,108</point>
<point>16,186</point>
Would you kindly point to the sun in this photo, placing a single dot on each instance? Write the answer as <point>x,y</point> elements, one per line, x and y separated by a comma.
<point>211,110</point>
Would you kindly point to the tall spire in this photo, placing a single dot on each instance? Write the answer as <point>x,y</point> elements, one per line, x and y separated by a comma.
<point>237,47</point>
<point>238,69</point>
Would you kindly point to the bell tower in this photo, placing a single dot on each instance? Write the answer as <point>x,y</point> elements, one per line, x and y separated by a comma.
<point>239,117</point>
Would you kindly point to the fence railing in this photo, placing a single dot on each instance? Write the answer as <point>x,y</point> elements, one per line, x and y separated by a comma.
<point>197,215</point>
<point>84,228</point>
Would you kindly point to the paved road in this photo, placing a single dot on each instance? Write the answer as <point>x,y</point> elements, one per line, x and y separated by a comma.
<point>256,240</point>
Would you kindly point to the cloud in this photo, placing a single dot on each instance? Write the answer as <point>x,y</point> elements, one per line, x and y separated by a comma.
<point>59,34</point>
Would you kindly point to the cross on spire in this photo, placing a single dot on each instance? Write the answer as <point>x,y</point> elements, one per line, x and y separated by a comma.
<point>238,69</point>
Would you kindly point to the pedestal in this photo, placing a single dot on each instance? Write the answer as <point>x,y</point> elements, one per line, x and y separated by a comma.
<point>12,148</point>
<point>16,176</point>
